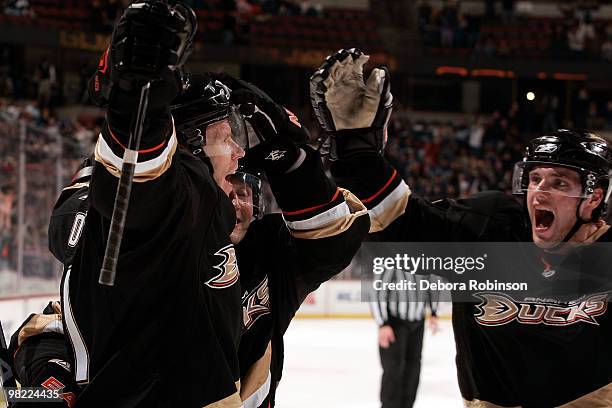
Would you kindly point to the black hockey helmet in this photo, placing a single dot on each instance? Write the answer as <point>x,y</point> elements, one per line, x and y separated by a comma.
<point>586,153</point>
<point>247,182</point>
<point>202,102</point>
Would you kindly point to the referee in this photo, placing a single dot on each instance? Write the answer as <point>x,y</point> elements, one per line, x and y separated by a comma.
<point>400,315</point>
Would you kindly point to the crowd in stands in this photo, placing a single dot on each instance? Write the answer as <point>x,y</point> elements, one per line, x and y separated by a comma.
<point>447,26</point>
<point>18,8</point>
<point>256,7</point>
<point>455,159</point>
<point>220,21</point>
<point>237,14</point>
<point>502,32</point>
<point>43,82</point>
<point>44,134</point>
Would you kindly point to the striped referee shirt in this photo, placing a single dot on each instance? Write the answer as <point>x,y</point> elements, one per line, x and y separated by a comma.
<point>405,305</point>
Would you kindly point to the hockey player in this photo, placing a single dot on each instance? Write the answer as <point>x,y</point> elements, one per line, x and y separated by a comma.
<point>41,353</point>
<point>177,279</point>
<point>282,258</point>
<point>553,361</point>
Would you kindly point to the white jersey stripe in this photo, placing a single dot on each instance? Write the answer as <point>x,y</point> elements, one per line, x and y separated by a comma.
<point>81,354</point>
<point>389,201</point>
<point>258,397</point>
<point>106,153</point>
<point>339,211</point>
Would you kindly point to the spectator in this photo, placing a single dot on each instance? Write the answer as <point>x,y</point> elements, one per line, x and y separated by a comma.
<point>311,9</point>
<point>575,42</point>
<point>579,36</point>
<point>19,8</point>
<point>461,33</point>
<point>7,232</point>
<point>47,78</point>
<point>476,135</point>
<point>606,46</point>
<point>586,30</point>
<point>448,23</point>
<point>289,8</point>
<point>7,196</point>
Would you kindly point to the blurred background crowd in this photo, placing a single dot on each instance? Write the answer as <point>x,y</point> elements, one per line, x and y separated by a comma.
<point>508,31</point>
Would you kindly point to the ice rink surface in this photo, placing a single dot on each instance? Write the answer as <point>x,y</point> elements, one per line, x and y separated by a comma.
<point>334,363</point>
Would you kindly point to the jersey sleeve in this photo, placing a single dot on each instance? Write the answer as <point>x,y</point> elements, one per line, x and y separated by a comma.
<point>399,216</point>
<point>313,206</point>
<point>161,180</point>
<point>40,355</point>
<point>324,225</point>
<point>328,223</point>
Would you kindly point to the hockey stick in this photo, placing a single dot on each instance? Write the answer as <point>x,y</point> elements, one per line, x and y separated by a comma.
<point>7,379</point>
<point>122,198</point>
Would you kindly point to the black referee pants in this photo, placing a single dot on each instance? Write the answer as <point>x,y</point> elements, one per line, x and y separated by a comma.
<point>401,364</point>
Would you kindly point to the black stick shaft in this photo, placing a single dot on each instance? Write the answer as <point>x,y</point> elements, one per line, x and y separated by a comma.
<point>122,199</point>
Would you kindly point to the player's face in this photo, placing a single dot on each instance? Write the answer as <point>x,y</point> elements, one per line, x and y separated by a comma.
<point>242,198</point>
<point>223,152</point>
<point>552,198</point>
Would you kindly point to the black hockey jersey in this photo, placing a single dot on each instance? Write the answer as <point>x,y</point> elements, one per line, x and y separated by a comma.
<point>282,259</point>
<point>544,358</point>
<point>167,333</point>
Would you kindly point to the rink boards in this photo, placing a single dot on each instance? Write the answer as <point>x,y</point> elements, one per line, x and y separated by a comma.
<point>342,299</point>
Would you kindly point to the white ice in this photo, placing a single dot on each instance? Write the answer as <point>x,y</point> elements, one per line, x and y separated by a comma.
<point>334,363</point>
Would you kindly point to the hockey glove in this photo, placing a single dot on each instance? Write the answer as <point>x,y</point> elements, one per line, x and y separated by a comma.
<point>277,133</point>
<point>151,42</point>
<point>353,113</point>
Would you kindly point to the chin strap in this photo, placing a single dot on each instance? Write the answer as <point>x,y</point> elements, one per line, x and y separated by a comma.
<point>579,223</point>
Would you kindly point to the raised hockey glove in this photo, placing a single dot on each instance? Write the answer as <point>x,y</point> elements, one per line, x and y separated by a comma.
<point>274,143</point>
<point>352,112</point>
<point>151,42</point>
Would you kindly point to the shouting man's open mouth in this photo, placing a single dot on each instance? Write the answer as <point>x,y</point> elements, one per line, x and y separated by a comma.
<point>543,219</point>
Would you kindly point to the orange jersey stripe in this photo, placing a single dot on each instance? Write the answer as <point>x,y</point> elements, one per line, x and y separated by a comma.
<point>379,192</point>
<point>316,207</point>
